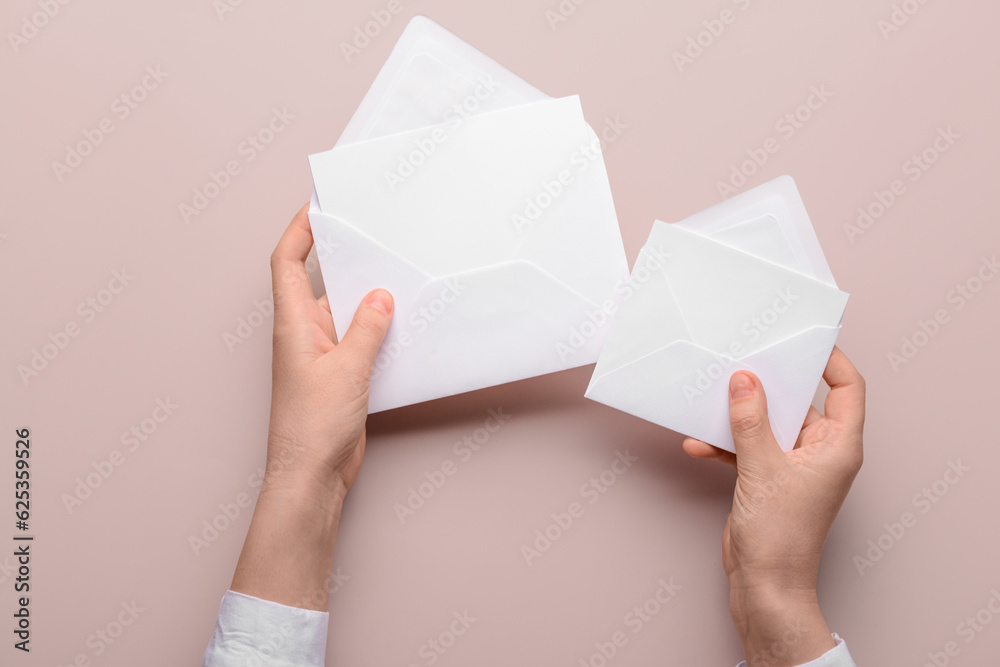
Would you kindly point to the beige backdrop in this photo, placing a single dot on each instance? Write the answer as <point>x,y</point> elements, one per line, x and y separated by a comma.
<point>139,316</point>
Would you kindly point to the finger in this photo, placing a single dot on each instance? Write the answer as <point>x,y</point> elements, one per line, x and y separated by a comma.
<point>702,450</point>
<point>812,417</point>
<point>370,325</point>
<point>324,303</point>
<point>325,318</point>
<point>752,435</point>
<point>289,278</point>
<point>846,401</point>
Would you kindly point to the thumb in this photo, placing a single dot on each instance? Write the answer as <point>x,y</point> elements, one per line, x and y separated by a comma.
<point>752,435</point>
<point>371,323</point>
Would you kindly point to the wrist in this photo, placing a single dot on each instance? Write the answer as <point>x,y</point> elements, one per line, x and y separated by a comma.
<point>308,495</point>
<point>288,553</point>
<point>779,625</point>
<point>293,468</point>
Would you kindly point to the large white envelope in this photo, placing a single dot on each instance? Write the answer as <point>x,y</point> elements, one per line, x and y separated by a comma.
<point>741,286</point>
<point>491,222</point>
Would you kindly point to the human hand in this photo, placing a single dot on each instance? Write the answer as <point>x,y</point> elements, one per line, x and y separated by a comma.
<point>316,437</point>
<point>784,505</point>
<point>319,393</point>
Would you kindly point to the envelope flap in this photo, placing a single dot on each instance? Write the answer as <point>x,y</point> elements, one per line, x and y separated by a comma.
<point>762,237</point>
<point>734,301</point>
<point>479,329</point>
<point>432,76</point>
<point>348,257</point>
<point>770,212</point>
<point>649,314</point>
<point>429,72</point>
<point>684,386</point>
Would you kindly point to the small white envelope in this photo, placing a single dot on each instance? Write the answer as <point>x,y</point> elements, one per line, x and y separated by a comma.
<point>740,286</point>
<point>483,206</point>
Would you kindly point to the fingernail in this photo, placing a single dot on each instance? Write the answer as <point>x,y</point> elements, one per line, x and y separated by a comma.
<point>741,385</point>
<point>381,300</point>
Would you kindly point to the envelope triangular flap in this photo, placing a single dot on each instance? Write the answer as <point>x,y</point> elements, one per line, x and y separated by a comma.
<point>349,257</point>
<point>649,315</point>
<point>684,387</point>
<point>732,300</point>
<point>511,320</point>
<point>780,200</point>
<point>763,237</point>
<point>428,70</point>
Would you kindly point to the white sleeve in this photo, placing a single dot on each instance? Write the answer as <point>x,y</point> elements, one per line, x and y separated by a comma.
<point>838,656</point>
<point>250,632</point>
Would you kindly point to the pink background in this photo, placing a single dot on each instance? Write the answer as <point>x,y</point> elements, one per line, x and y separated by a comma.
<point>164,334</point>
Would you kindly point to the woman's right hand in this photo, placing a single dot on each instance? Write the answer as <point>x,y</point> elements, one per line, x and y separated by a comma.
<point>784,505</point>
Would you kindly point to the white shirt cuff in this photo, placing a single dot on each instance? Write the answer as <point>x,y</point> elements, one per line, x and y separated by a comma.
<point>838,656</point>
<point>250,632</point>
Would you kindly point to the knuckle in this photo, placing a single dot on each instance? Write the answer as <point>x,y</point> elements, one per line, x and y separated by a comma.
<point>371,322</point>
<point>748,425</point>
<point>368,326</point>
<point>857,378</point>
